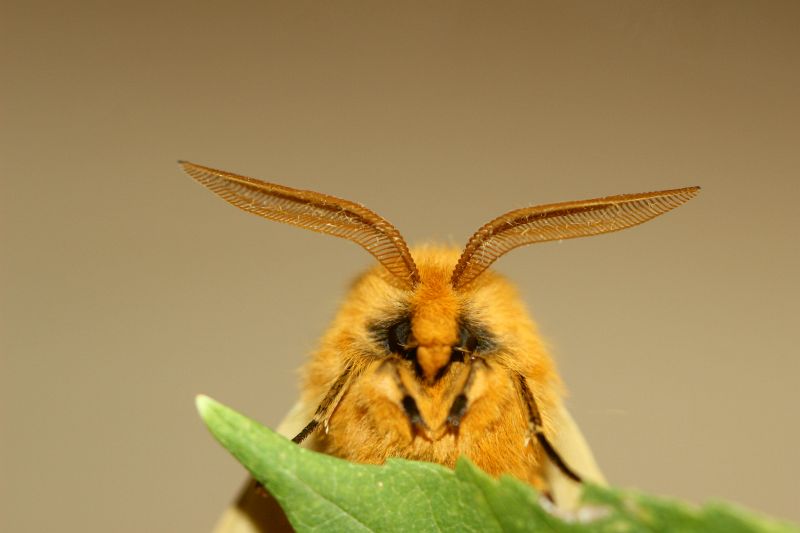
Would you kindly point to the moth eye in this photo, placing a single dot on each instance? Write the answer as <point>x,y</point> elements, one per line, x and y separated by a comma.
<point>398,336</point>
<point>468,341</point>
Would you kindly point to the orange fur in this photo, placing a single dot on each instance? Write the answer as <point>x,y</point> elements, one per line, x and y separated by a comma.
<point>369,424</point>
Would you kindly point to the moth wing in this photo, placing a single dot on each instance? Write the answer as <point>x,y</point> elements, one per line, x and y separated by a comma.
<point>573,448</point>
<point>254,512</point>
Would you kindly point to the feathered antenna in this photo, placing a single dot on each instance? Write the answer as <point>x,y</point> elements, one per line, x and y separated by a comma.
<point>315,211</point>
<point>566,220</point>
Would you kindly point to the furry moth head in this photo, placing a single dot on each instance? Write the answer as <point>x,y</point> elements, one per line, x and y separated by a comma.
<point>432,355</point>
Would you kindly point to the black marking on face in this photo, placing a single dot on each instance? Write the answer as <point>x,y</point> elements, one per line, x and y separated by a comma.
<point>394,336</point>
<point>457,410</point>
<point>412,411</point>
<point>442,371</point>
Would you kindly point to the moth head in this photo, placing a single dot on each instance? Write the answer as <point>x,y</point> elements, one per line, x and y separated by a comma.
<point>429,325</point>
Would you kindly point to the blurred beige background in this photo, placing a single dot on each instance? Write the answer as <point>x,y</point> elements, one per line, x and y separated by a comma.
<point>127,288</point>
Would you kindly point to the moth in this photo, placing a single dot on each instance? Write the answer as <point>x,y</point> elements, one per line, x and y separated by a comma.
<point>432,355</point>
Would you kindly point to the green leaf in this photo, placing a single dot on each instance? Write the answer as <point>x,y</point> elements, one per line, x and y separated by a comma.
<point>322,493</point>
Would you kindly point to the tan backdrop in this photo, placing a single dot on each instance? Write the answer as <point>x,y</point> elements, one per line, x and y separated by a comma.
<point>127,288</point>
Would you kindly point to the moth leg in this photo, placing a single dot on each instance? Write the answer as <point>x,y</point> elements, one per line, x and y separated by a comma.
<point>327,405</point>
<point>536,428</point>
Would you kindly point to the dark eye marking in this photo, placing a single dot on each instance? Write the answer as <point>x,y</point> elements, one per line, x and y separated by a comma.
<point>394,336</point>
<point>474,338</point>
